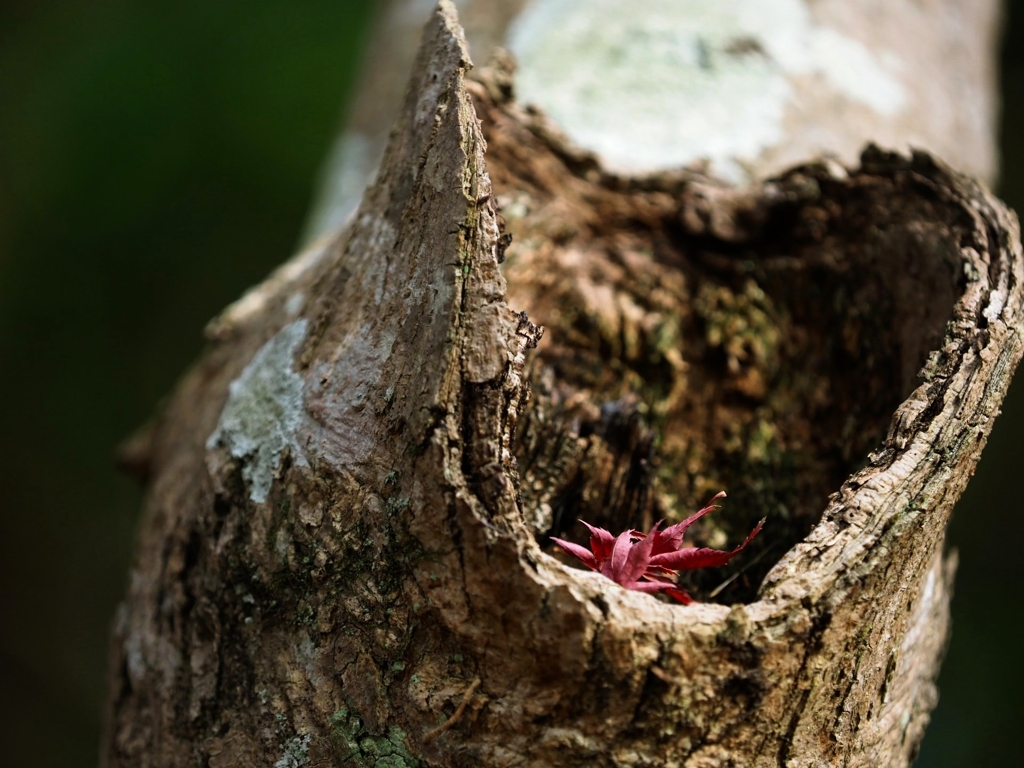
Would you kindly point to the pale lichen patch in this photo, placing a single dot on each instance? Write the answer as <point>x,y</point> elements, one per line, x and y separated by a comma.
<point>264,411</point>
<point>296,753</point>
<point>650,84</point>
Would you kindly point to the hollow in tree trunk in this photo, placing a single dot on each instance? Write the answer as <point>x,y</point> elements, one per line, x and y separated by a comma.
<point>346,557</point>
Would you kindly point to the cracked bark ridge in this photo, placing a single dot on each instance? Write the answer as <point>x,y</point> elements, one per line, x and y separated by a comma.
<point>337,556</point>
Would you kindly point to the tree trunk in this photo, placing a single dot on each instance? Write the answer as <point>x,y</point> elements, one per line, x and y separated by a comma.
<point>345,558</point>
<point>745,88</point>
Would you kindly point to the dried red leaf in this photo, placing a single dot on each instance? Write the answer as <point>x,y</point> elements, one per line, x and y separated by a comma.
<point>644,562</point>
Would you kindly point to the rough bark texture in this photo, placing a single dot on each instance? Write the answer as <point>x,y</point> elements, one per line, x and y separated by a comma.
<point>344,559</point>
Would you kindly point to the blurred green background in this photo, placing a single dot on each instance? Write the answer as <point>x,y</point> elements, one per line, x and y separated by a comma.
<point>155,160</point>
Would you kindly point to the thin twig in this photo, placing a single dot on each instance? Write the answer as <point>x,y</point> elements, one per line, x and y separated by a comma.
<point>714,593</point>
<point>456,715</point>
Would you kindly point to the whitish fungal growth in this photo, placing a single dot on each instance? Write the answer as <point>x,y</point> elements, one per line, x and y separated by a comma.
<point>296,753</point>
<point>263,411</point>
<point>652,84</point>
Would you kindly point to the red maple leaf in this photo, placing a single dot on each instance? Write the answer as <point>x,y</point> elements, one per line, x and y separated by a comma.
<point>645,562</point>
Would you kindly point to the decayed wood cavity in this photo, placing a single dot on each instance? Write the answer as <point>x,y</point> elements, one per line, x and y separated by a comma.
<point>701,338</point>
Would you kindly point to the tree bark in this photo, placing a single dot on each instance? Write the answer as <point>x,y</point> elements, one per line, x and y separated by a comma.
<point>745,88</point>
<point>345,556</point>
